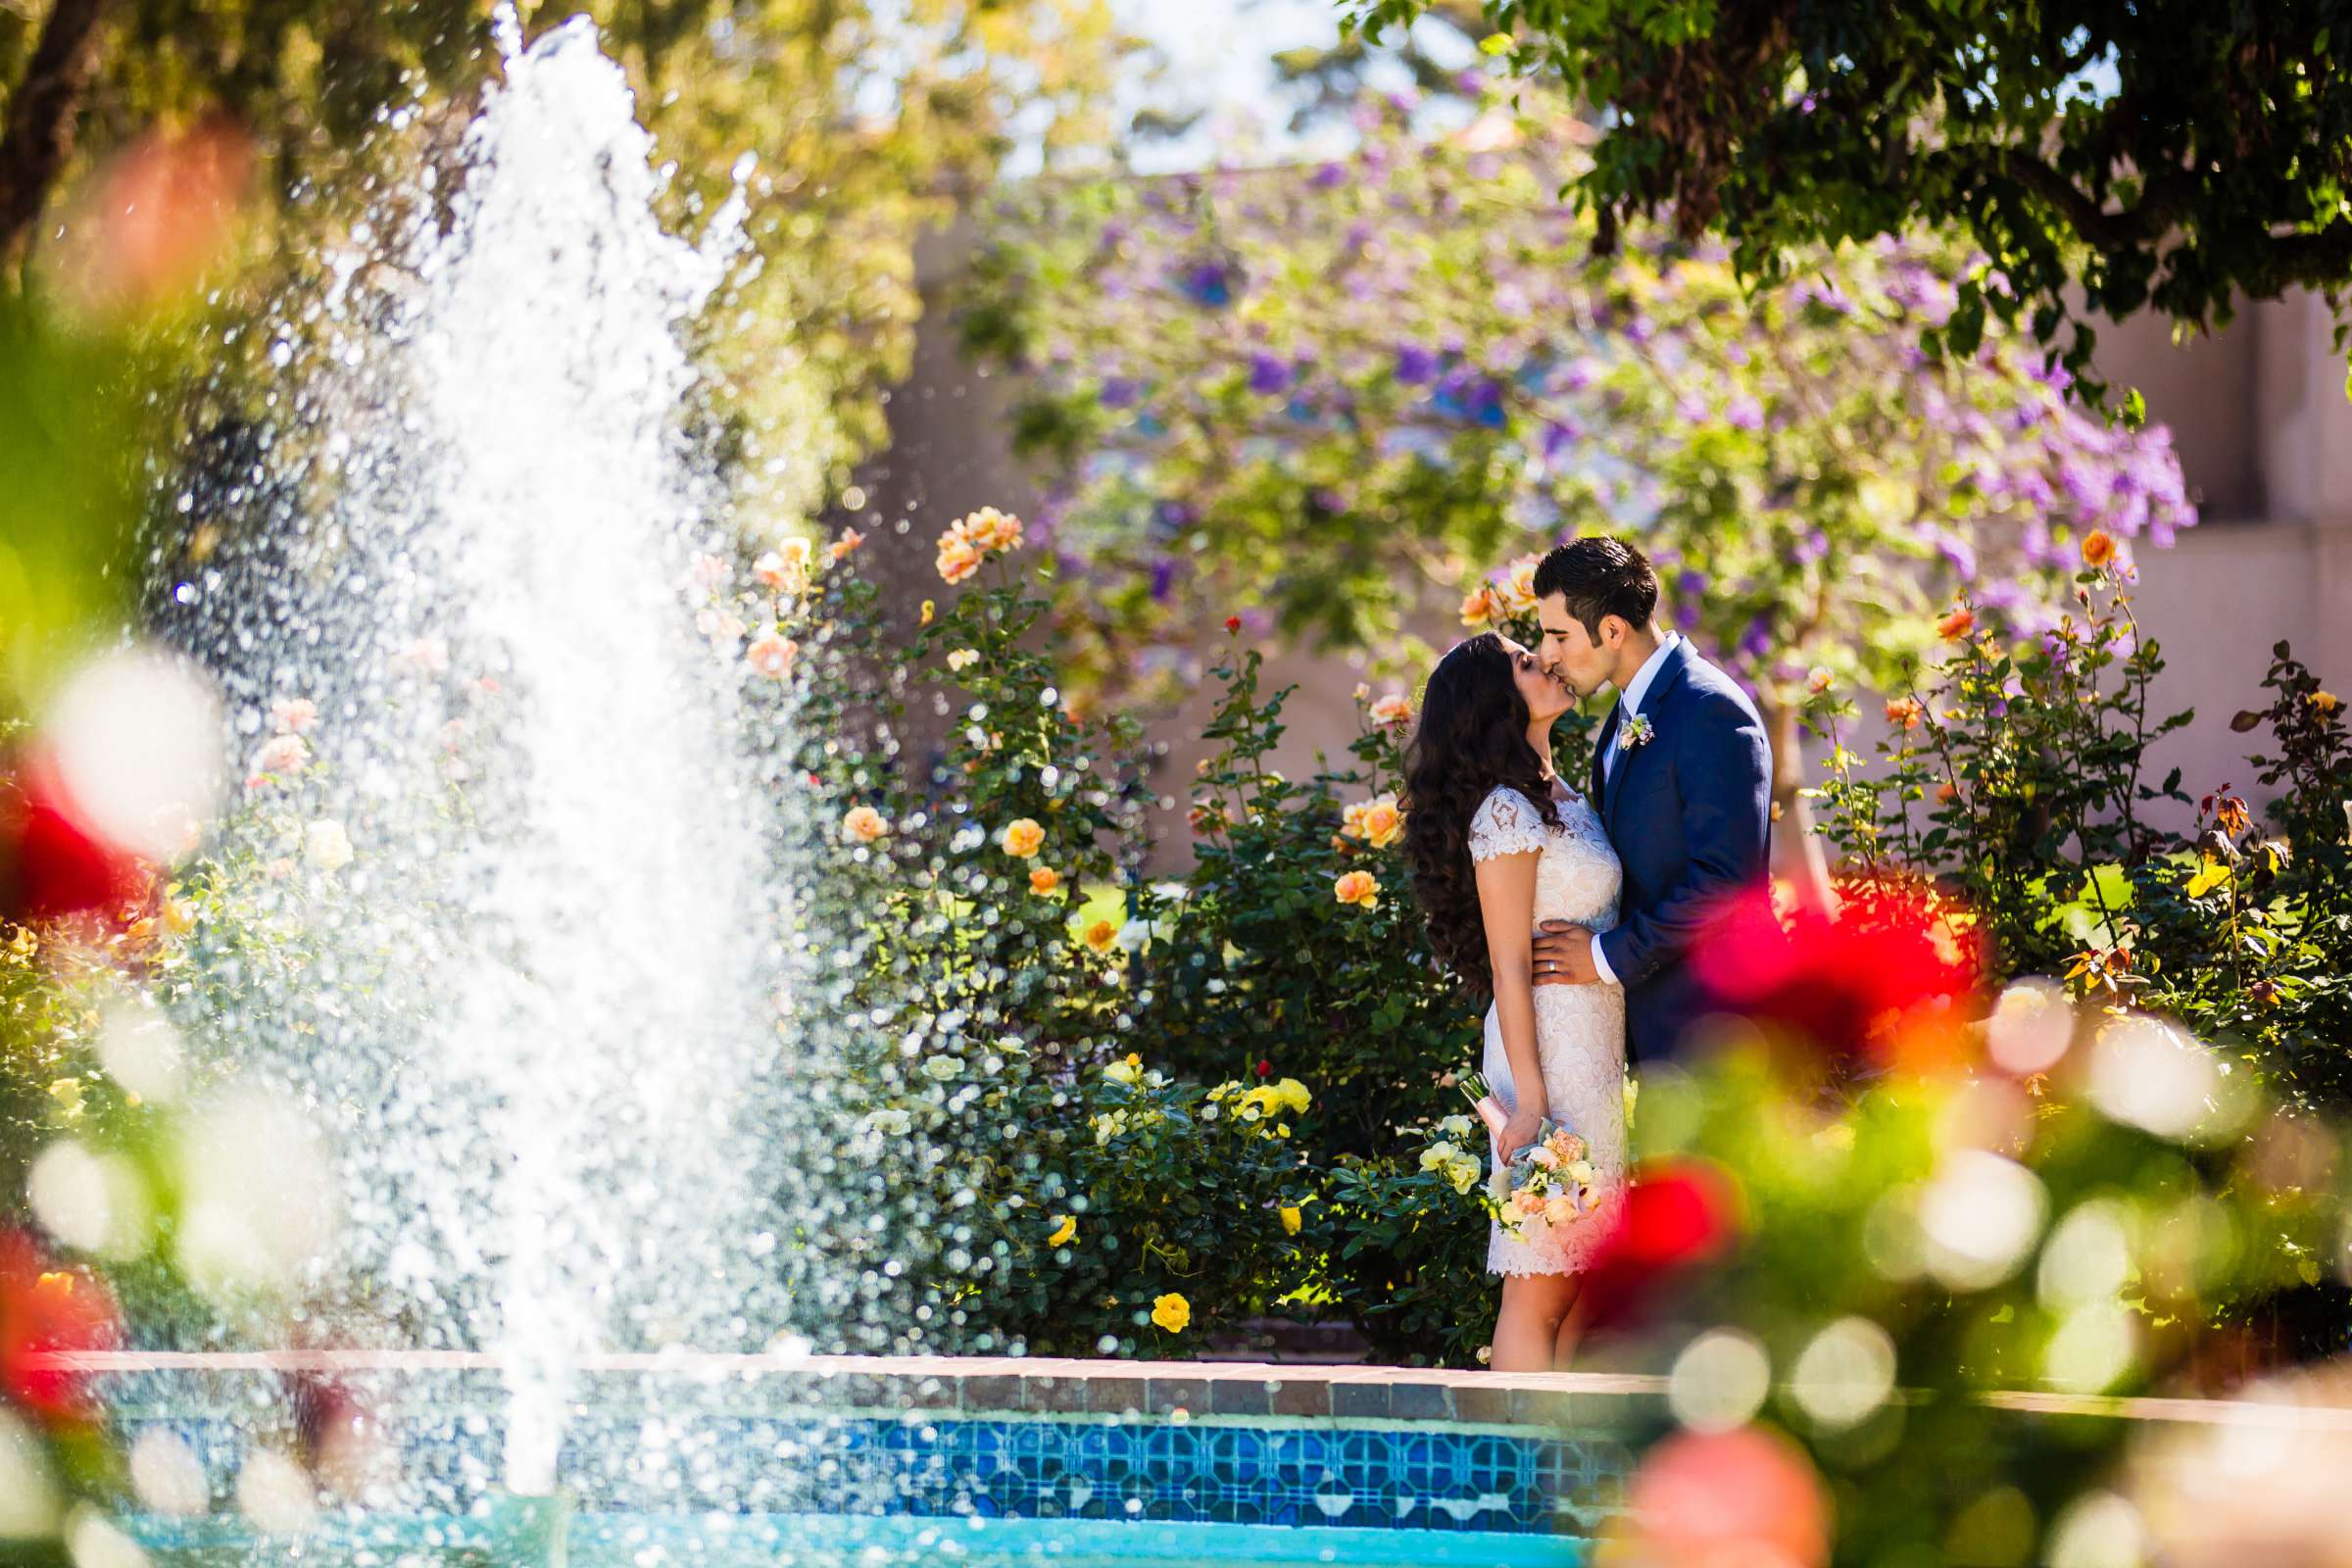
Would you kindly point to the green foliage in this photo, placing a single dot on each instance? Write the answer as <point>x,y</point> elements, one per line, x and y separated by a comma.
<point>2174,156</point>
<point>2016,775</point>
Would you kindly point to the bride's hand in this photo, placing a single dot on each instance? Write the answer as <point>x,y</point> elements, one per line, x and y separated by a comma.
<point>1519,1132</point>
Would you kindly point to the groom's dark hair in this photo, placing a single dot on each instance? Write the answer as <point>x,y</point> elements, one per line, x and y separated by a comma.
<point>1601,576</point>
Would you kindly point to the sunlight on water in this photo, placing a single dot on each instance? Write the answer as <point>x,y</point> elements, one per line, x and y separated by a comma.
<point>505,809</point>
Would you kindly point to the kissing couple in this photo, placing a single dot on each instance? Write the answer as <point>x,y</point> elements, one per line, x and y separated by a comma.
<point>1575,911</point>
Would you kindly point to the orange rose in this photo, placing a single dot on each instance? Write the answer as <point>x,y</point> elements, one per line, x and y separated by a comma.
<point>2099,549</point>
<point>1043,880</point>
<point>1906,713</point>
<point>1479,609</point>
<point>1102,936</point>
<point>1359,888</point>
<point>1956,626</point>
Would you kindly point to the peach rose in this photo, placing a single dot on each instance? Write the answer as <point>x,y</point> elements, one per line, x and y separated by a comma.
<point>772,656</point>
<point>1392,708</point>
<point>1359,888</point>
<point>1022,838</point>
<point>864,825</point>
<point>293,716</point>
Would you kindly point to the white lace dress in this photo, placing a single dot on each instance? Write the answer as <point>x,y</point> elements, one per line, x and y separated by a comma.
<point>1579,1030</point>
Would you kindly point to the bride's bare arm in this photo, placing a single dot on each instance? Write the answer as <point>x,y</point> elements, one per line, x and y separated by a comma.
<point>1507,906</point>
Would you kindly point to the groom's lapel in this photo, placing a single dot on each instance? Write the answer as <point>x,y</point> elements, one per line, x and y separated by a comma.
<point>1653,704</point>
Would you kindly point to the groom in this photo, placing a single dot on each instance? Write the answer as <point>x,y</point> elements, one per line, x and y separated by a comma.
<point>1680,776</point>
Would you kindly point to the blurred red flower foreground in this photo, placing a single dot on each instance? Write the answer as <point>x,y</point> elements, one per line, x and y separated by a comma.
<point>1881,983</point>
<point>1679,1216</point>
<point>43,1313</point>
<point>51,864</point>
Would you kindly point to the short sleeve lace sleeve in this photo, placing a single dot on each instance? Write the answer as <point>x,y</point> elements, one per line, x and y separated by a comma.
<point>1505,823</point>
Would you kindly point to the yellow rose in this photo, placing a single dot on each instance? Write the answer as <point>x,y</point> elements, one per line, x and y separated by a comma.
<point>1023,837</point>
<point>1359,888</point>
<point>1065,1231</point>
<point>1292,1094</point>
<point>1291,1218</point>
<point>1518,591</point>
<point>1102,936</point>
<point>2326,701</point>
<point>929,609</point>
<point>1384,824</point>
<point>1043,880</point>
<point>1124,1071</point>
<point>1172,1312</point>
<point>864,825</point>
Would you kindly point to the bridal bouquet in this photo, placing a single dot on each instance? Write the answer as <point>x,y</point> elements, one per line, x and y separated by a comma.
<point>1549,1181</point>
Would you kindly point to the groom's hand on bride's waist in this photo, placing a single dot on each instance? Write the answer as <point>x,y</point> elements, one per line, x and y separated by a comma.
<point>1563,956</point>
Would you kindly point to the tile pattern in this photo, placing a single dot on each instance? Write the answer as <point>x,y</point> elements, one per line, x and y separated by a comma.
<point>1182,1450</point>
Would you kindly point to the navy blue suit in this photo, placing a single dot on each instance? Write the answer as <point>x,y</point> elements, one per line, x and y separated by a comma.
<point>1689,813</point>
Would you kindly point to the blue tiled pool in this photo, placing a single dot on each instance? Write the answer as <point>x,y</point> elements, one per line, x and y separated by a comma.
<point>661,1471</point>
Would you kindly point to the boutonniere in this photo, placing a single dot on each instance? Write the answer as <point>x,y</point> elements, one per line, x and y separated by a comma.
<point>1635,733</point>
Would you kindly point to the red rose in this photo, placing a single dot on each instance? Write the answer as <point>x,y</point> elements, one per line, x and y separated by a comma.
<point>1678,1217</point>
<point>44,1312</point>
<point>1233,624</point>
<point>1846,987</point>
<point>50,865</point>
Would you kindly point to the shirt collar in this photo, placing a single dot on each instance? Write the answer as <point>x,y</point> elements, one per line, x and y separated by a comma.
<point>1639,687</point>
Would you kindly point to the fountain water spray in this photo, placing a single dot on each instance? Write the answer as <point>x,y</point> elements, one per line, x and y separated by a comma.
<point>536,1007</point>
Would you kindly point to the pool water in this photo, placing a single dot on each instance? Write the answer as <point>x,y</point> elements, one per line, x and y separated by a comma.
<point>666,1472</point>
<point>823,1541</point>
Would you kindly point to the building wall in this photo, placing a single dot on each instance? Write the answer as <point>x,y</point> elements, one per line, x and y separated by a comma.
<point>2259,416</point>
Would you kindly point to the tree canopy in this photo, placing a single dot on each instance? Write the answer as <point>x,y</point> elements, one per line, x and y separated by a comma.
<point>2166,154</point>
<point>867,122</point>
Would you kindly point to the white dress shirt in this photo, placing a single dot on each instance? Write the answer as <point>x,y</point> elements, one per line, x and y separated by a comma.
<point>1628,706</point>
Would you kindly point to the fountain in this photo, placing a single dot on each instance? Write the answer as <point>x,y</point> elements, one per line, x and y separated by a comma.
<point>512,816</point>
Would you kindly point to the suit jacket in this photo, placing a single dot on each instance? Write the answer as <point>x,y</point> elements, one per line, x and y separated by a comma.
<point>1689,813</point>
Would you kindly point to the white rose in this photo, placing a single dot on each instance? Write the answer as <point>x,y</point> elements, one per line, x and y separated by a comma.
<point>326,846</point>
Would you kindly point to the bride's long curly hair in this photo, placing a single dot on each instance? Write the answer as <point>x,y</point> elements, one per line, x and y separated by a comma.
<point>1472,737</point>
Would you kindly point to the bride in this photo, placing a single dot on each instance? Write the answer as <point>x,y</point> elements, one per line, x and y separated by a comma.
<point>1497,843</point>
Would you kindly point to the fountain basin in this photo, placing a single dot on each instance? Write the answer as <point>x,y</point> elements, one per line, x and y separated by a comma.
<point>748,1460</point>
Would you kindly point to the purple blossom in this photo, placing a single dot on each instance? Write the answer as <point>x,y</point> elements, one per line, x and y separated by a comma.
<point>1957,553</point>
<point>1812,547</point>
<point>1268,374</point>
<point>1744,414</point>
<point>1415,364</point>
<point>1639,330</point>
<point>1690,584</point>
<point>1119,392</point>
<point>1163,579</point>
<point>1208,285</point>
<point>1558,436</point>
<point>1329,174</point>
<point>1582,373</point>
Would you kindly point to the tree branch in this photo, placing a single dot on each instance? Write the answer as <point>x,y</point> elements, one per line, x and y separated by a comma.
<point>42,110</point>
